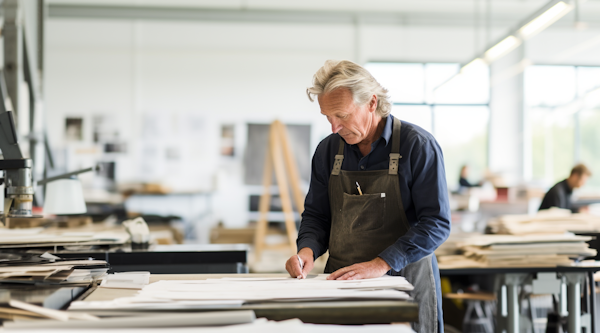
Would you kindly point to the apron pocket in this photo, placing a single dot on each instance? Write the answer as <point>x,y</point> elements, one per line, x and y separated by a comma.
<point>363,212</point>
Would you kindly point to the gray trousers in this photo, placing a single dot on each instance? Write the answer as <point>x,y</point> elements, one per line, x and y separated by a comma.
<point>425,277</point>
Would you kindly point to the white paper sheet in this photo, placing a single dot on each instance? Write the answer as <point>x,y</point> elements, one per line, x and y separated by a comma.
<point>232,292</point>
<point>258,326</point>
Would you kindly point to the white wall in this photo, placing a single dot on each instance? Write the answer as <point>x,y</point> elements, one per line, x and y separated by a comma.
<point>219,72</point>
<point>194,76</point>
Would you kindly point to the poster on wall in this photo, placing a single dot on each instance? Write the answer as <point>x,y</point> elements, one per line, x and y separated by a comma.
<point>107,133</point>
<point>74,129</point>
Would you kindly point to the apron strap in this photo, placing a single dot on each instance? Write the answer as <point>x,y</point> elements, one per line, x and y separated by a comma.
<point>339,158</point>
<point>395,154</point>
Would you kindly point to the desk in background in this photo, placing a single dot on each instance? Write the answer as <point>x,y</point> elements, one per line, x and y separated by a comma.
<point>324,312</point>
<point>513,277</point>
<point>172,259</point>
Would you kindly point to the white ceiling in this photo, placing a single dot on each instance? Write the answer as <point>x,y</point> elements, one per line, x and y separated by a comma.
<point>504,14</point>
<point>499,7</point>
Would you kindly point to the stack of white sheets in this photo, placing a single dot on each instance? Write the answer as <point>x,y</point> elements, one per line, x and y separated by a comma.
<point>518,251</point>
<point>40,237</point>
<point>233,292</point>
<point>551,221</point>
<point>63,272</point>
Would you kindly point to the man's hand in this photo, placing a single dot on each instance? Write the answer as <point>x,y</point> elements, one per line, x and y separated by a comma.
<point>293,265</point>
<point>365,270</point>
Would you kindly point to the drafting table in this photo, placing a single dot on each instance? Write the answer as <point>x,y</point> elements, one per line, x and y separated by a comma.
<point>573,277</point>
<point>325,312</point>
<point>172,259</point>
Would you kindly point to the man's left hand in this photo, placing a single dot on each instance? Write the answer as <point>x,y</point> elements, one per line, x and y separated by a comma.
<point>365,270</point>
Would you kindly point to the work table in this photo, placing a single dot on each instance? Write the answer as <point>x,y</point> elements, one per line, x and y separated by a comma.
<point>324,312</point>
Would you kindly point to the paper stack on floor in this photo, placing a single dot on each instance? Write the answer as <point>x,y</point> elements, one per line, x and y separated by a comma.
<point>551,221</point>
<point>233,292</point>
<point>518,251</point>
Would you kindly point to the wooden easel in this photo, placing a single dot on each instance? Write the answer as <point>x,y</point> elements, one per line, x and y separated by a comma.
<point>279,157</point>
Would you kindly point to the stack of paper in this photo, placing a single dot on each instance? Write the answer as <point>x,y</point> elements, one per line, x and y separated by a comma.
<point>49,269</point>
<point>39,237</point>
<point>518,251</point>
<point>233,292</point>
<point>552,221</point>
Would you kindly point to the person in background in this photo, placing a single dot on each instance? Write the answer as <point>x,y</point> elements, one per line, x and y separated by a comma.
<point>463,182</point>
<point>560,194</point>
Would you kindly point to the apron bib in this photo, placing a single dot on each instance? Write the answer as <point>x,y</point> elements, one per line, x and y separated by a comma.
<point>362,226</point>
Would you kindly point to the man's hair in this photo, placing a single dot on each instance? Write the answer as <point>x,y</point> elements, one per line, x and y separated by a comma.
<point>337,74</point>
<point>580,170</point>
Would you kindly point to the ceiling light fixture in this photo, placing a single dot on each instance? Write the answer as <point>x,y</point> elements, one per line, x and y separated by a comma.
<point>503,47</point>
<point>544,20</point>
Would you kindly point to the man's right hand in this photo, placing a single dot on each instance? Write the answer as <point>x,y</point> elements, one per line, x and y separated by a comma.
<point>293,265</point>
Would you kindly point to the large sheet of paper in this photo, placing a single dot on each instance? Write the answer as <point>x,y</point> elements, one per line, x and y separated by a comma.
<point>185,294</point>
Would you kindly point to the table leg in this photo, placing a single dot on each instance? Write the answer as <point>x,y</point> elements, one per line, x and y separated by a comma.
<point>513,281</point>
<point>501,310</point>
<point>592,285</point>
<point>574,307</point>
<point>513,308</point>
<point>574,281</point>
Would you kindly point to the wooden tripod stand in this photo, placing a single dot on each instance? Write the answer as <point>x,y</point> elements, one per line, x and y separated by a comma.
<point>279,157</point>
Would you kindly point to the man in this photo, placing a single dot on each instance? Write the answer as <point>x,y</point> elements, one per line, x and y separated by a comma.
<point>378,199</point>
<point>560,194</point>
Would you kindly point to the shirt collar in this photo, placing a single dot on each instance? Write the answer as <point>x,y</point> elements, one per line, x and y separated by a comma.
<point>387,130</point>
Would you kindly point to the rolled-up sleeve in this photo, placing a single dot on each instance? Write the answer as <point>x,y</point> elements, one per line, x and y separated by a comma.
<point>430,199</point>
<point>316,218</point>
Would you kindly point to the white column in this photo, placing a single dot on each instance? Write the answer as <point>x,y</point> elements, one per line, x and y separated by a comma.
<point>506,138</point>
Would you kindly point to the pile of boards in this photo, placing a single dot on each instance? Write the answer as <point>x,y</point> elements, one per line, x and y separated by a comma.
<point>516,251</point>
<point>551,221</point>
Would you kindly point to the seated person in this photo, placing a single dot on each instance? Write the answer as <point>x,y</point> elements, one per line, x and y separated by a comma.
<point>560,194</point>
<point>463,182</point>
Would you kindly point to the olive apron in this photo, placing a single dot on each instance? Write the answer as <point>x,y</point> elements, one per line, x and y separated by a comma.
<point>363,226</point>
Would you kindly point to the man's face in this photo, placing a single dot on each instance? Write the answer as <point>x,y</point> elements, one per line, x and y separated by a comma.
<point>351,122</point>
<point>580,180</point>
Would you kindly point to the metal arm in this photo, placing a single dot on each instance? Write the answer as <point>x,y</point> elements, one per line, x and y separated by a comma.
<point>68,175</point>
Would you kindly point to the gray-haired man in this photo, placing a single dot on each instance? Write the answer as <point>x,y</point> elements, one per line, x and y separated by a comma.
<point>401,213</point>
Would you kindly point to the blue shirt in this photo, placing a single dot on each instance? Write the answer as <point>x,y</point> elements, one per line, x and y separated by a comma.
<point>422,186</point>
